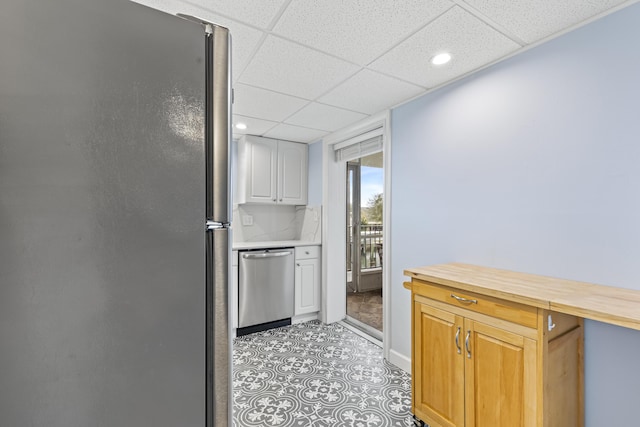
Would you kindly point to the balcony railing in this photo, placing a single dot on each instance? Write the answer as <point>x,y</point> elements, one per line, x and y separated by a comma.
<point>370,246</point>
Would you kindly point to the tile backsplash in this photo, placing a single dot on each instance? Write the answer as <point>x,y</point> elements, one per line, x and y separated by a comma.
<point>309,219</point>
<point>261,223</point>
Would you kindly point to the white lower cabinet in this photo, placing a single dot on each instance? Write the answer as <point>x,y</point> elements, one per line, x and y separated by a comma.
<point>307,280</point>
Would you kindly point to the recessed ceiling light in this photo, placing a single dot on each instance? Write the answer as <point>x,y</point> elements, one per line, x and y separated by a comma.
<point>241,126</point>
<point>441,59</point>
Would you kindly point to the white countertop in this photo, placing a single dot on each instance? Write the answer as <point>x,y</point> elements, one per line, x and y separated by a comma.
<point>273,244</point>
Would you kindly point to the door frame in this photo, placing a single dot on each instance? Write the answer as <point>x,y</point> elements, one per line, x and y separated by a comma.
<point>334,199</point>
<point>355,231</point>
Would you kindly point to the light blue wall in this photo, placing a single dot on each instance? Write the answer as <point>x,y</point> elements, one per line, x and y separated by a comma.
<point>315,174</point>
<point>533,165</point>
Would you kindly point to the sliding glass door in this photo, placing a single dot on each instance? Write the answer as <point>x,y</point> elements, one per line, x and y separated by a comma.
<point>364,182</point>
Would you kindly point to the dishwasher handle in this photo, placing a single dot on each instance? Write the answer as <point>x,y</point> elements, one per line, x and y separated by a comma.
<point>266,255</point>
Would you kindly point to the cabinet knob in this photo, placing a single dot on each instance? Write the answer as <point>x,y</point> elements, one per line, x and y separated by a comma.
<point>280,199</point>
<point>298,264</point>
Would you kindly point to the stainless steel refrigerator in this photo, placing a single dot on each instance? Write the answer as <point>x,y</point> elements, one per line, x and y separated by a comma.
<point>114,140</point>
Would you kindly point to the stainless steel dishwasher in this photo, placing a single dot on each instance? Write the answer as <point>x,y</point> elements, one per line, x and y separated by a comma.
<point>265,289</point>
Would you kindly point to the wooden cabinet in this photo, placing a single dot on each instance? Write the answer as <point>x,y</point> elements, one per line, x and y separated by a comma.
<point>469,373</point>
<point>307,280</point>
<point>500,382</point>
<point>481,361</point>
<point>271,171</point>
<point>438,366</point>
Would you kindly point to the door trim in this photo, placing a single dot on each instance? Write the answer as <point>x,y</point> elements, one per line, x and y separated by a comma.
<point>355,223</point>
<point>334,218</point>
<point>349,322</point>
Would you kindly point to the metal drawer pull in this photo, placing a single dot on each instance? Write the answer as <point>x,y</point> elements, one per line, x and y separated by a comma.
<point>466,344</point>
<point>458,341</point>
<point>464,300</point>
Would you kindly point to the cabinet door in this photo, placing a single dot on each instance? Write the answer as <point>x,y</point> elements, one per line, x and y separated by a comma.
<point>292,173</point>
<point>307,286</point>
<point>500,385</point>
<point>259,169</point>
<point>438,366</point>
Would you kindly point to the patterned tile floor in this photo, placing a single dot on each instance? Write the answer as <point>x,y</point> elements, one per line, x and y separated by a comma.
<point>316,375</point>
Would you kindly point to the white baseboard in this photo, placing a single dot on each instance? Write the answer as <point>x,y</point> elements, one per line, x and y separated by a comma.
<point>400,360</point>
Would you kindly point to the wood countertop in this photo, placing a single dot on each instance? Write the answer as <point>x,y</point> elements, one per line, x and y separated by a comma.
<point>618,306</point>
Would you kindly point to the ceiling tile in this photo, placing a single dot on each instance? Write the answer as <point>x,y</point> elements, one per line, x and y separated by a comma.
<point>244,39</point>
<point>255,102</point>
<point>324,117</point>
<point>295,133</point>
<point>289,68</point>
<point>534,20</point>
<point>254,12</point>
<point>359,31</point>
<point>370,92</point>
<point>471,43</point>
<point>254,126</point>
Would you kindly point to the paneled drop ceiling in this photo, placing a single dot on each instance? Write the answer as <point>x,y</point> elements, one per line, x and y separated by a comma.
<point>305,68</point>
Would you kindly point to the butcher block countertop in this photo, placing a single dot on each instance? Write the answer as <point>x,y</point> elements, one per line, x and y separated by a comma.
<point>618,306</point>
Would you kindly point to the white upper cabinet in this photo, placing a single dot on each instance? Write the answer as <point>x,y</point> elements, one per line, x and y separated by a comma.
<point>257,170</point>
<point>271,171</point>
<point>292,173</point>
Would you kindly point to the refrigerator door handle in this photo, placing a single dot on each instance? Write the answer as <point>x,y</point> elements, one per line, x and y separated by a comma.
<point>217,122</point>
<point>214,225</point>
<point>217,215</point>
<point>218,340</point>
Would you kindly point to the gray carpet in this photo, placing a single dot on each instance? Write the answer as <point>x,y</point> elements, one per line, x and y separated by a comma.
<point>316,375</point>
